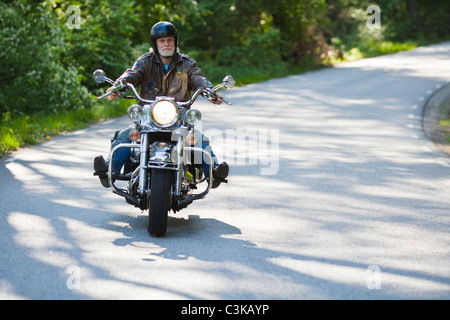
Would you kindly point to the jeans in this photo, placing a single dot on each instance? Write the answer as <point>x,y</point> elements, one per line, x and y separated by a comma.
<point>121,155</point>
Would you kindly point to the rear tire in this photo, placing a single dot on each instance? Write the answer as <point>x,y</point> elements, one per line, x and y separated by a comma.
<point>159,202</point>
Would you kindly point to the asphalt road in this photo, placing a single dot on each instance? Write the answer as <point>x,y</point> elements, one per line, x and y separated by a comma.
<point>334,193</point>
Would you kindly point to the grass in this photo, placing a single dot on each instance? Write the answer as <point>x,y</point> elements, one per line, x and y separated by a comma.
<point>374,49</point>
<point>445,121</point>
<point>19,131</point>
<point>388,47</point>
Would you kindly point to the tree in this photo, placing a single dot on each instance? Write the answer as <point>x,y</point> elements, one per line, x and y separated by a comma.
<point>33,77</point>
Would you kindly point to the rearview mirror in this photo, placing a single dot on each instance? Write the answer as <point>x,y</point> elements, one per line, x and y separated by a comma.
<point>229,82</point>
<point>99,76</point>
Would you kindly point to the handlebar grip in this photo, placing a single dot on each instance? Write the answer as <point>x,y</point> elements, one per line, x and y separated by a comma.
<point>105,95</point>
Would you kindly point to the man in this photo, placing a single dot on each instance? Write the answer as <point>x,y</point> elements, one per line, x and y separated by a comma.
<point>162,72</point>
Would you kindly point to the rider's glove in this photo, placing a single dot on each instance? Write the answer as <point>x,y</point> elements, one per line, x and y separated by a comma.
<point>212,96</point>
<point>209,94</point>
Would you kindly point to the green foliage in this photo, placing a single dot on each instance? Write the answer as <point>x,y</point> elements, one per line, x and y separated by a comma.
<point>405,24</point>
<point>103,39</point>
<point>34,78</point>
<point>415,19</point>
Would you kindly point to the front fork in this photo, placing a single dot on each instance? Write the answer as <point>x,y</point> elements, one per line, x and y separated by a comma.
<point>143,163</point>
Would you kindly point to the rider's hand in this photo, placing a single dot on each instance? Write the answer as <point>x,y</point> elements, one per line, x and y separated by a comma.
<point>217,100</point>
<point>113,96</point>
<point>213,97</point>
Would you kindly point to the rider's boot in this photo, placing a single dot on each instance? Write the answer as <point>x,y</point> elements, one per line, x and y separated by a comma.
<point>220,173</point>
<point>101,170</point>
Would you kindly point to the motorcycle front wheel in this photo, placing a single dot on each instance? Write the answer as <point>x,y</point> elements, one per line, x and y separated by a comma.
<point>159,202</point>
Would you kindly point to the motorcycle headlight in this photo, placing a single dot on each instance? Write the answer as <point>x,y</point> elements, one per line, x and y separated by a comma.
<point>135,112</point>
<point>193,116</point>
<point>164,113</point>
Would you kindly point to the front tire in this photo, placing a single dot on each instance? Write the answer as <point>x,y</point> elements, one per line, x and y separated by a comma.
<point>159,202</point>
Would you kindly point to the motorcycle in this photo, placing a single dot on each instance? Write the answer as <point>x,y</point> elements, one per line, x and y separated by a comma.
<point>163,170</point>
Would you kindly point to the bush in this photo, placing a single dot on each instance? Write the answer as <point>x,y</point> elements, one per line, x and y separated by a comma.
<point>34,79</point>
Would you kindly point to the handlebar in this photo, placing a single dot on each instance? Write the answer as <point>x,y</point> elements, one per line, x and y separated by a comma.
<point>208,93</point>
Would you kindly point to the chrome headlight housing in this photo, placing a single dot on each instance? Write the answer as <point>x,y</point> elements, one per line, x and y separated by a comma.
<point>193,116</point>
<point>165,113</point>
<point>135,112</point>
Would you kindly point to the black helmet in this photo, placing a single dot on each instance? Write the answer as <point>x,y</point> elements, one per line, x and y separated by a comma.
<point>160,30</point>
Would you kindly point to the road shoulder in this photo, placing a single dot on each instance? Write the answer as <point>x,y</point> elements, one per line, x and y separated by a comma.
<point>431,118</point>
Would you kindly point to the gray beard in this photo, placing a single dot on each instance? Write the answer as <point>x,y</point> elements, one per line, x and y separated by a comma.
<point>167,54</point>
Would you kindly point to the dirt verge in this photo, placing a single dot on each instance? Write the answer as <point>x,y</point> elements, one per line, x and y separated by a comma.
<point>432,116</point>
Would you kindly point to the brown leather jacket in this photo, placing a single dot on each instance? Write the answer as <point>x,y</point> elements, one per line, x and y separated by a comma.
<point>183,77</point>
